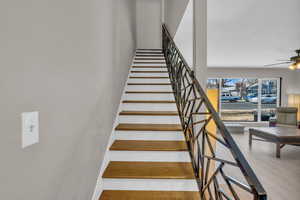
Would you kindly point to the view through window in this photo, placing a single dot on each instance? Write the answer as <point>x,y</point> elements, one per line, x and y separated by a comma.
<point>247,99</point>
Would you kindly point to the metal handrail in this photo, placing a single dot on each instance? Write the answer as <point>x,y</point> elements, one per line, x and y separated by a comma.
<point>196,112</point>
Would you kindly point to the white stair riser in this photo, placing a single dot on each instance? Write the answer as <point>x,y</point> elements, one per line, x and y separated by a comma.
<point>149,69</point>
<point>150,156</point>
<point>149,106</point>
<point>148,88</point>
<point>149,80</point>
<point>149,135</point>
<point>150,61</point>
<point>149,119</point>
<point>148,50</point>
<point>150,184</point>
<point>150,57</point>
<point>149,53</point>
<point>149,97</point>
<point>149,64</point>
<point>149,74</point>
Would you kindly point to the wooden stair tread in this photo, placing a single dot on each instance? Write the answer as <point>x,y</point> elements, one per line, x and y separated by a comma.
<point>149,84</point>
<point>148,145</point>
<point>148,195</point>
<point>155,113</point>
<point>148,127</point>
<point>149,77</point>
<point>149,52</point>
<point>148,92</point>
<point>155,67</point>
<point>149,170</point>
<point>148,101</point>
<point>149,71</point>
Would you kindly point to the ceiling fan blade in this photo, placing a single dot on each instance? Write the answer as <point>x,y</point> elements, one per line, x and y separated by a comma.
<point>278,64</point>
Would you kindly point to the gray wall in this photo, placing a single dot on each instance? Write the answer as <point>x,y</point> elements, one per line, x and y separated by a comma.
<point>148,18</point>
<point>289,78</point>
<point>174,11</point>
<point>68,60</point>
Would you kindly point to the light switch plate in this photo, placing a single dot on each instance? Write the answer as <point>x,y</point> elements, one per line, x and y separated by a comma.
<point>30,128</point>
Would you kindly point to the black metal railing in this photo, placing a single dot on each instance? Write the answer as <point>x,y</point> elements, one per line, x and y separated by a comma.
<point>212,166</point>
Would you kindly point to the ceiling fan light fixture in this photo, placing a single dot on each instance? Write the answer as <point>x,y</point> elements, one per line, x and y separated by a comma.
<point>293,66</point>
<point>298,65</point>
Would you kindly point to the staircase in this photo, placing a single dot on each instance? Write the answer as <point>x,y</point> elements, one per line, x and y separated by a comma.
<point>168,136</point>
<point>148,157</point>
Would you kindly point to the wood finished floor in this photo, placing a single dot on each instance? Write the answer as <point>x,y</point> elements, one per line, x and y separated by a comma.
<point>280,177</point>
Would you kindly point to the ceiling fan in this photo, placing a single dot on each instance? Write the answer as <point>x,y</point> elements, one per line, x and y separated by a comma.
<point>294,61</point>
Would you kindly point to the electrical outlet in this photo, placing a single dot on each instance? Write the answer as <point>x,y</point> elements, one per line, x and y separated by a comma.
<point>30,128</point>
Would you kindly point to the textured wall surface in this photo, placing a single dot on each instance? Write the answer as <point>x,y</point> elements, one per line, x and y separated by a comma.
<point>68,60</point>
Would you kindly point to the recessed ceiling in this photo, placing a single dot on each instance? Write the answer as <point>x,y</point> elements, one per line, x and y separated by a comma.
<point>251,33</point>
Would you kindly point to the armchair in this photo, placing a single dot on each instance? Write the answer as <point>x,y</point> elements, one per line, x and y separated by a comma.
<point>286,116</point>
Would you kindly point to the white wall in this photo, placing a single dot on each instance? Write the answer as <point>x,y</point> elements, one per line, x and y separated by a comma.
<point>184,34</point>
<point>174,11</point>
<point>289,81</point>
<point>68,60</point>
<point>149,19</point>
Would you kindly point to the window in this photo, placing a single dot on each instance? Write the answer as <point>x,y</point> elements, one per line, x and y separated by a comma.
<point>213,83</point>
<point>246,99</point>
<point>269,98</point>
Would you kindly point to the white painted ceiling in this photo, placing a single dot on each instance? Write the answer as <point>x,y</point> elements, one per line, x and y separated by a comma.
<point>251,33</point>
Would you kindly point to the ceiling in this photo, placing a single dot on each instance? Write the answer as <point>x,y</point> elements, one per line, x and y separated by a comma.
<point>251,33</point>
